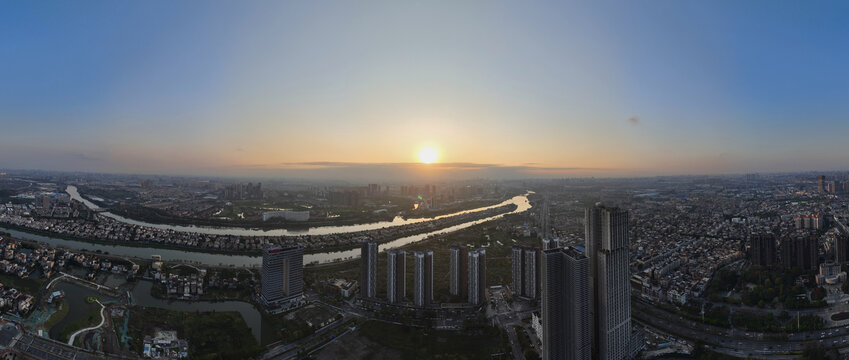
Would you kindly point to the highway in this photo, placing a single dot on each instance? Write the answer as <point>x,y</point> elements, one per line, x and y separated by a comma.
<point>737,342</point>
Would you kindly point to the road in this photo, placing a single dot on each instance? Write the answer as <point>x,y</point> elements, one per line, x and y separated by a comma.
<point>736,342</point>
<point>505,318</point>
<point>102,321</point>
<point>286,351</point>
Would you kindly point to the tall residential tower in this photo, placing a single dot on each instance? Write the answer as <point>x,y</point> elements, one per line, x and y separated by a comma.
<point>566,305</point>
<point>477,276</point>
<point>368,272</point>
<point>422,278</point>
<point>608,247</point>
<point>396,274</point>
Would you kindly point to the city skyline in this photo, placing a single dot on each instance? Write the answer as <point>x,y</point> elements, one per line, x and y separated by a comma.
<point>424,180</point>
<point>500,91</point>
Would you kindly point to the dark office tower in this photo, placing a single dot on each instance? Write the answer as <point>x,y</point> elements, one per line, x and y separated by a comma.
<point>477,276</point>
<point>518,270</point>
<point>396,274</point>
<point>566,321</point>
<point>368,272</point>
<point>802,252</point>
<point>821,183</point>
<point>531,273</point>
<point>607,247</point>
<point>762,247</point>
<point>841,249</point>
<point>423,278</point>
<point>282,276</point>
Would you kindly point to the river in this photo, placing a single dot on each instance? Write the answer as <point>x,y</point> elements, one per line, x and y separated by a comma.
<point>251,261</point>
<point>319,230</point>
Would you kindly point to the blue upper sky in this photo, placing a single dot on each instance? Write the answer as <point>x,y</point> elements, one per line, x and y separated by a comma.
<point>599,88</point>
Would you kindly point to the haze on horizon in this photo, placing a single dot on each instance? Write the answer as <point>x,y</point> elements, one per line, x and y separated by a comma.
<point>358,89</point>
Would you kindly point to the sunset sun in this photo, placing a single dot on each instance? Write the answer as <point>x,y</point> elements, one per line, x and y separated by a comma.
<point>428,155</point>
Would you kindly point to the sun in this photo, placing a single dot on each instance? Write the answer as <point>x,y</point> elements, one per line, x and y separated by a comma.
<point>428,155</point>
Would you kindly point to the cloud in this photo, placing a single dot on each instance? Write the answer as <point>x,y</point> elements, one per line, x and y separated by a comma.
<point>634,120</point>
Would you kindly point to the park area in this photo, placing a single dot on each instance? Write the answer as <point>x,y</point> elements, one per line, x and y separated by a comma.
<point>211,335</point>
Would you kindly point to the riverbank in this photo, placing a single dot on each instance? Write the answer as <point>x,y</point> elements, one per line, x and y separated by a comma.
<point>224,259</point>
<point>420,228</point>
<point>141,214</point>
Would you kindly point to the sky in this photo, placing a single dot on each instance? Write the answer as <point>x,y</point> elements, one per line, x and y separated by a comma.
<point>356,89</point>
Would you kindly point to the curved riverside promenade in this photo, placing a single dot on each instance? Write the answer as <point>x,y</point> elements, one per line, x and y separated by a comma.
<point>102,321</point>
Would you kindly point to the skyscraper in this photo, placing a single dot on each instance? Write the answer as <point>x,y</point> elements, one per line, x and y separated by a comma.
<point>422,278</point>
<point>566,305</point>
<point>282,276</point>
<point>525,271</point>
<point>763,251</point>
<point>800,251</point>
<point>396,273</point>
<point>841,249</point>
<point>477,276</point>
<point>607,245</point>
<point>821,183</point>
<point>531,273</point>
<point>457,270</point>
<point>518,270</point>
<point>368,272</point>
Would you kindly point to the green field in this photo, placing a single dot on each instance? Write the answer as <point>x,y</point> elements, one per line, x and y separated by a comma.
<point>91,319</point>
<point>211,335</point>
<point>57,316</point>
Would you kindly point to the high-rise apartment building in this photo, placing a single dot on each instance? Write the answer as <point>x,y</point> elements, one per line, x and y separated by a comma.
<point>477,276</point>
<point>566,320</point>
<point>457,271</point>
<point>531,273</point>
<point>821,183</point>
<point>518,270</point>
<point>368,271</point>
<point>800,251</point>
<point>526,271</point>
<point>608,247</point>
<point>422,278</point>
<point>396,274</point>
<point>282,276</point>
<point>841,249</point>
<point>762,249</point>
